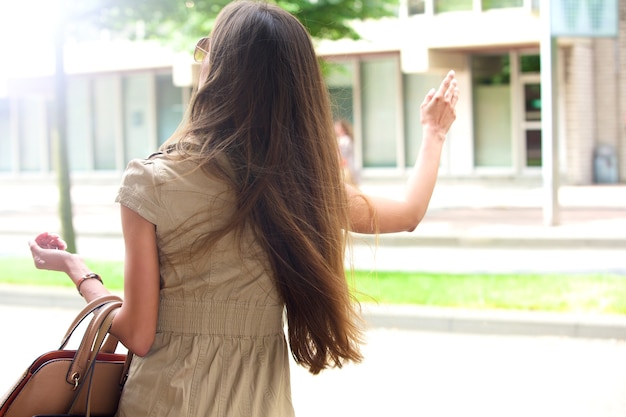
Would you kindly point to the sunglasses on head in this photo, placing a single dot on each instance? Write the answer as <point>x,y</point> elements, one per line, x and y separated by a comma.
<point>202,49</point>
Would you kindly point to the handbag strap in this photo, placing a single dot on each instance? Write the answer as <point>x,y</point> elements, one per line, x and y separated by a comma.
<point>84,313</point>
<point>102,332</point>
<point>87,345</point>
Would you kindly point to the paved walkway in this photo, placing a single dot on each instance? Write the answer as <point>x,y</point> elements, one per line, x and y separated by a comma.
<point>491,226</point>
<point>461,213</point>
<point>409,373</point>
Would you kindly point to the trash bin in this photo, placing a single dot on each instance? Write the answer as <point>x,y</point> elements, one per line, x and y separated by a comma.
<point>605,165</point>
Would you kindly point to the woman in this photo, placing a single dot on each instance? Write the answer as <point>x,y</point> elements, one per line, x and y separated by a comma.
<point>240,219</point>
<point>345,140</point>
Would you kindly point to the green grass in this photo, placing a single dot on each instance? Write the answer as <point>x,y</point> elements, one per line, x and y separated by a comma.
<point>598,293</point>
<point>22,271</point>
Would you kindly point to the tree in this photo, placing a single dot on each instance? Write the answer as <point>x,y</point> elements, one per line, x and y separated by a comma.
<point>178,21</point>
<point>59,134</point>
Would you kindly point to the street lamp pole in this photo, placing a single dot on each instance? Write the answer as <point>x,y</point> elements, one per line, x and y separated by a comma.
<point>549,119</point>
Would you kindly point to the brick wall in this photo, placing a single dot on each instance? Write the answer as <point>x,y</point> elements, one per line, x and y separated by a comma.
<point>621,57</point>
<point>606,92</point>
<point>593,87</point>
<point>579,103</point>
<point>593,93</point>
<point>607,110</point>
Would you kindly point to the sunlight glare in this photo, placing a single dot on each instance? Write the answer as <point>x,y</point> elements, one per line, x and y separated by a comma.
<point>26,36</point>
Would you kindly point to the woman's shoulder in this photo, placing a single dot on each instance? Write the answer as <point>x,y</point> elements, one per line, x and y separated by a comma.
<point>166,160</point>
<point>155,168</point>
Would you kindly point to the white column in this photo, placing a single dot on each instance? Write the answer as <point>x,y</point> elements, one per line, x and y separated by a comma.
<point>549,124</point>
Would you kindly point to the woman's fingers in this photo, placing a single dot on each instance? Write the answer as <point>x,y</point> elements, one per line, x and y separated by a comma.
<point>448,90</point>
<point>452,90</point>
<point>429,96</point>
<point>453,93</point>
<point>446,83</point>
<point>51,258</point>
<point>50,241</point>
<point>48,251</point>
<point>438,109</point>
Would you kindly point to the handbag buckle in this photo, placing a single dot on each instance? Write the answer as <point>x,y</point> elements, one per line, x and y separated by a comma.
<point>76,378</point>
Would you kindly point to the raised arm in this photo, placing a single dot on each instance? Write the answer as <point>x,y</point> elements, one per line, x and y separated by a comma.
<point>373,214</point>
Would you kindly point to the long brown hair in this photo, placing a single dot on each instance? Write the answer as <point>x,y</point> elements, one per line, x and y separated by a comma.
<point>261,118</point>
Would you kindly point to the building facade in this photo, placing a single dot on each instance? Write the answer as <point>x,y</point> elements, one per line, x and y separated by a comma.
<point>117,113</point>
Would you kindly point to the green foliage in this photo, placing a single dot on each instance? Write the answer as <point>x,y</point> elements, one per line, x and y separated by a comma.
<point>329,19</point>
<point>179,22</point>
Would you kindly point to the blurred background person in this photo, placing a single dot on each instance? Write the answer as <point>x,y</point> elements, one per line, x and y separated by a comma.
<point>345,138</point>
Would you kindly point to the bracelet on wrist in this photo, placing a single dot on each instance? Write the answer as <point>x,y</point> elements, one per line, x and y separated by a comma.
<point>84,278</point>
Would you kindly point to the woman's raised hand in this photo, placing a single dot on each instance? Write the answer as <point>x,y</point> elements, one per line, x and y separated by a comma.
<point>438,110</point>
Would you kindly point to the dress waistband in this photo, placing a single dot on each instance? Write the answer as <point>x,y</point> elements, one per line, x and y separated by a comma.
<point>219,318</point>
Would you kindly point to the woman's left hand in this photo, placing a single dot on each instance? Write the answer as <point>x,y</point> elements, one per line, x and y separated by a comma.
<point>50,241</point>
<point>48,251</point>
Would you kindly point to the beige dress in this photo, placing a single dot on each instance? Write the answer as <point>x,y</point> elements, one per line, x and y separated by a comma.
<point>220,347</point>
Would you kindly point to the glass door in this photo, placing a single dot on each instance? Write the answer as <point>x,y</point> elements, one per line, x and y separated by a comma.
<point>531,121</point>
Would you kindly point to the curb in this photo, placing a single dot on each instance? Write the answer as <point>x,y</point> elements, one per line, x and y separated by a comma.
<point>485,241</point>
<point>490,322</point>
<point>415,239</point>
<point>412,318</point>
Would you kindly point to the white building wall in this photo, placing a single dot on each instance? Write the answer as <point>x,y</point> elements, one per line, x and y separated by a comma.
<point>461,136</point>
<point>592,91</point>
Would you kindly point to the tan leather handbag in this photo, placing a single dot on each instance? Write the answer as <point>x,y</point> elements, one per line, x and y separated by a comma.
<point>82,382</point>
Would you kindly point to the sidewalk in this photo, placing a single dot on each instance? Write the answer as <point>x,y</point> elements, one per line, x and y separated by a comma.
<point>501,214</point>
<point>483,226</point>
<point>461,213</point>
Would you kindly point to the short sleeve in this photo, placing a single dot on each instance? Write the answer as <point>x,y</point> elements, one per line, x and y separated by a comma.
<point>140,189</point>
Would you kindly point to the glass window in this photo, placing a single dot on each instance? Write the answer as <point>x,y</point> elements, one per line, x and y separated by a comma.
<point>493,142</point>
<point>501,4</point>
<point>491,69</point>
<point>106,106</point>
<point>533,148</point>
<point>380,111</point>
<point>138,117</point>
<point>339,80</point>
<point>342,102</point>
<point>415,88</point>
<point>416,7</point>
<point>5,135</point>
<point>169,107</point>
<point>79,117</point>
<point>443,6</point>
<point>585,18</point>
<point>33,132</point>
<point>530,64</point>
<point>532,102</point>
